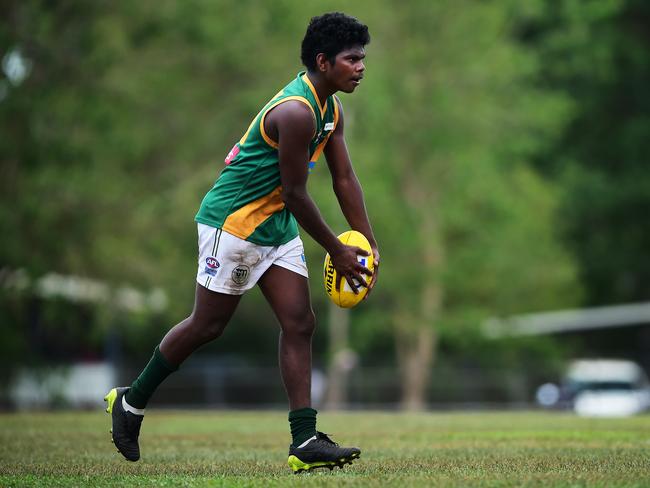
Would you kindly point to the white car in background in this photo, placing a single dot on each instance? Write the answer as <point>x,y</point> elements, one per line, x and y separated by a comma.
<point>600,388</point>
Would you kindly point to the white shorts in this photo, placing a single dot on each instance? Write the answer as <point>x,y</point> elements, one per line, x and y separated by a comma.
<point>228,264</point>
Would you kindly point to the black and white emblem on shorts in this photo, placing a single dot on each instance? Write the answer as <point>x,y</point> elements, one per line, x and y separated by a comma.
<point>241,274</point>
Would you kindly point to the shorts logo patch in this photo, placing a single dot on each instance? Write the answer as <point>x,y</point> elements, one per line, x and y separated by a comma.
<point>211,266</point>
<point>241,274</point>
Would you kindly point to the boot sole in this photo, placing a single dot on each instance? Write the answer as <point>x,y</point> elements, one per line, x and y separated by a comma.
<point>297,466</point>
<point>110,398</point>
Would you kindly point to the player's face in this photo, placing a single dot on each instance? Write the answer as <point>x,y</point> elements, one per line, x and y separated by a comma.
<point>347,71</point>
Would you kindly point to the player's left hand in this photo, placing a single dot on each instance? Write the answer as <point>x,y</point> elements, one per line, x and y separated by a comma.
<point>375,271</point>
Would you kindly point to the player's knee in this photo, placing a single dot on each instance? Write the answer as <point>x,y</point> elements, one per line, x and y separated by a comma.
<point>214,329</point>
<point>208,329</point>
<point>302,324</point>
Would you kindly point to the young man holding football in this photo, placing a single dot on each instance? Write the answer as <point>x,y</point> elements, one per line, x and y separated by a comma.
<point>248,235</point>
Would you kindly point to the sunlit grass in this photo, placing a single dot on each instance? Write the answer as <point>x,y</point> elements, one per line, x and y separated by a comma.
<point>250,449</point>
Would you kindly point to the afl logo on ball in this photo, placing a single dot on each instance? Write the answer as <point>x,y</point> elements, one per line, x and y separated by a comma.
<point>212,262</point>
<point>240,274</point>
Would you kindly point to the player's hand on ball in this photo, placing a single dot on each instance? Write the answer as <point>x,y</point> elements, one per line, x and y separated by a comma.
<point>347,266</point>
<point>375,271</point>
<point>353,260</point>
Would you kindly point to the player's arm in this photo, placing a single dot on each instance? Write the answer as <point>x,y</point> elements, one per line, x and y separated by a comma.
<point>293,124</point>
<point>347,187</point>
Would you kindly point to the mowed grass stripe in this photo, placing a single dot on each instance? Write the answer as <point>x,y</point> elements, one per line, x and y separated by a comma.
<point>198,448</point>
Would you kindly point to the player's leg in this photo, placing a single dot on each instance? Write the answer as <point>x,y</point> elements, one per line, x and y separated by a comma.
<point>287,292</point>
<point>221,280</point>
<point>212,312</point>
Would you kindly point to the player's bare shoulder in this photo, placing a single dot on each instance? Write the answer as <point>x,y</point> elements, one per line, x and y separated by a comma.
<point>292,115</point>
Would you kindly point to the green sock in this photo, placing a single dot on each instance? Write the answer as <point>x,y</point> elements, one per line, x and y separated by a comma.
<point>303,425</point>
<point>152,375</point>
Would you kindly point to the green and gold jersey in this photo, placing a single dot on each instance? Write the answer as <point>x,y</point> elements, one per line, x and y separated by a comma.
<point>246,199</point>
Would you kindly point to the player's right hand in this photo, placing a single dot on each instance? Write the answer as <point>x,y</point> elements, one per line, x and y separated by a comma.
<point>344,260</point>
<point>375,269</point>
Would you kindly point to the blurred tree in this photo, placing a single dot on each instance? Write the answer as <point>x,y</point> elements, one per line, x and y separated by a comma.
<point>118,127</point>
<point>111,131</point>
<point>598,53</point>
<point>122,105</point>
<point>447,119</point>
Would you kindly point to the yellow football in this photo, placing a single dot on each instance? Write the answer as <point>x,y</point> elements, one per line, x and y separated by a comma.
<point>345,297</point>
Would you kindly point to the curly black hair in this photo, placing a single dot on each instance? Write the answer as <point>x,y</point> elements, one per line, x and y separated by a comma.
<point>330,34</point>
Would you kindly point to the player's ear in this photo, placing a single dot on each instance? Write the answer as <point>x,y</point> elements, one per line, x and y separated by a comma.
<point>322,63</point>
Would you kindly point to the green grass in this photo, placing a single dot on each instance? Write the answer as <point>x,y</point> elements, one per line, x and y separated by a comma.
<point>250,449</point>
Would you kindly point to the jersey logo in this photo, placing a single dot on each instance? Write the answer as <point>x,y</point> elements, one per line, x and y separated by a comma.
<point>324,132</point>
<point>232,154</point>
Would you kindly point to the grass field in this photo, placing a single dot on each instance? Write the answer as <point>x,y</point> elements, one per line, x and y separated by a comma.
<point>250,449</point>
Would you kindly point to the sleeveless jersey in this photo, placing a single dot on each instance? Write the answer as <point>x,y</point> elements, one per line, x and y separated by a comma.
<point>246,199</point>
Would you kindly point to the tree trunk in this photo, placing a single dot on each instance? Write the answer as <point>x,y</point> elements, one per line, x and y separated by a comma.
<point>416,341</point>
<point>415,352</point>
<point>342,358</point>
<point>416,338</point>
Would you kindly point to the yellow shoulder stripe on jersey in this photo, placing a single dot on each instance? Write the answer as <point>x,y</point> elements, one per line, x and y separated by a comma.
<point>321,147</point>
<point>306,79</point>
<point>336,110</point>
<point>244,221</point>
<point>268,140</point>
<point>252,124</point>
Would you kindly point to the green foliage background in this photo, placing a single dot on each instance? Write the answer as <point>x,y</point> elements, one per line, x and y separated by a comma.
<point>501,146</point>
